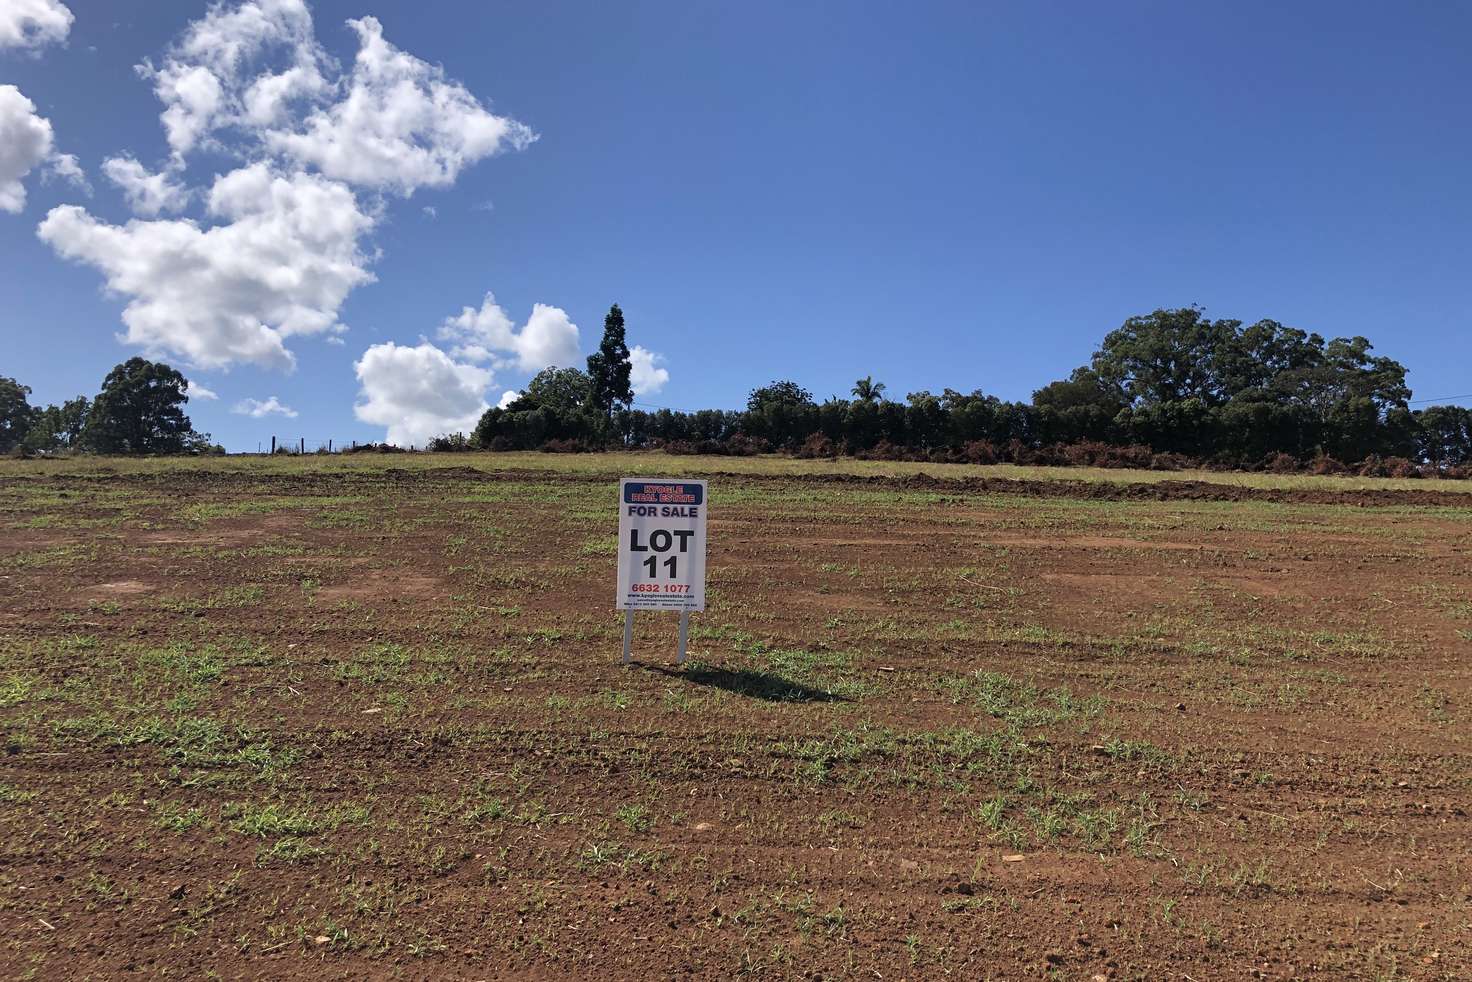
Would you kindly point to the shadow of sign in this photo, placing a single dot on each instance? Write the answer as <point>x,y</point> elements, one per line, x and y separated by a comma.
<point>752,684</point>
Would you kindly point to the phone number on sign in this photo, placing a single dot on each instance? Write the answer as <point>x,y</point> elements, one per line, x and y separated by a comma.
<point>660,588</point>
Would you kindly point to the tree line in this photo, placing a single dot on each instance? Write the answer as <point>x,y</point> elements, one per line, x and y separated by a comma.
<point>1169,388</point>
<point>139,410</point>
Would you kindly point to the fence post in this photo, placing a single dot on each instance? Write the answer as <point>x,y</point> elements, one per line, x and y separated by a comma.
<point>273,446</point>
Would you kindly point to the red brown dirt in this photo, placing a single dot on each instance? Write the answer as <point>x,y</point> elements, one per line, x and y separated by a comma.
<point>1281,703</point>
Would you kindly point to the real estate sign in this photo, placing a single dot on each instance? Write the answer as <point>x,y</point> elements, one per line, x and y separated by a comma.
<point>661,544</point>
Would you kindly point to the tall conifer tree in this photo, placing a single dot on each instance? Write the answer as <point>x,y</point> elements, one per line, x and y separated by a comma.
<point>609,367</point>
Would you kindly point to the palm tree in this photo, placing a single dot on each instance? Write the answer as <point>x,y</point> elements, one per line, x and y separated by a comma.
<point>868,390</point>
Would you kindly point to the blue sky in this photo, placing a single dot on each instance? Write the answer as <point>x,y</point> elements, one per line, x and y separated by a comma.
<point>963,195</point>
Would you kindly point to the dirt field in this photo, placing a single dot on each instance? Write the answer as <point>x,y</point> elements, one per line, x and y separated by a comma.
<point>365,718</point>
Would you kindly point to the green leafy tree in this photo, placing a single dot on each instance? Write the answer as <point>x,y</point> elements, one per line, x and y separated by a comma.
<point>926,425</point>
<point>16,413</point>
<point>1264,361</point>
<point>1446,435</point>
<point>1080,407</point>
<point>1084,388</point>
<point>609,368</point>
<point>555,405</point>
<point>1166,356</point>
<point>59,427</point>
<point>782,413</point>
<point>566,390</point>
<point>139,410</point>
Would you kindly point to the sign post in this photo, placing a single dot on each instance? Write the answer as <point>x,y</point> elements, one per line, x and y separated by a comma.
<point>661,551</point>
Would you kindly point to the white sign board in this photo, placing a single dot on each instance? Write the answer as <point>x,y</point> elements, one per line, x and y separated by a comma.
<point>661,544</point>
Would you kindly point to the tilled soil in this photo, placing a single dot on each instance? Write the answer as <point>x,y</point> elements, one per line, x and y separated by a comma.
<point>374,724</point>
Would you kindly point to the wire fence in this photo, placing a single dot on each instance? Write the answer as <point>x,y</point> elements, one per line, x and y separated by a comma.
<point>301,445</point>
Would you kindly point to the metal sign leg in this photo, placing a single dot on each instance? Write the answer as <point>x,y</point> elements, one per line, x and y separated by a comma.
<point>628,636</point>
<point>684,633</point>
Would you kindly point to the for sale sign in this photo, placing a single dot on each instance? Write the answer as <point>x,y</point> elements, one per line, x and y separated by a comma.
<point>661,551</point>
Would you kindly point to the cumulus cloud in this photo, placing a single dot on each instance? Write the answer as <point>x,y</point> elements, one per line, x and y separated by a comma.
<point>237,66</point>
<point>148,193</point>
<point>280,263</point>
<point>507,398</point>
<point>393,122</point>
<point>400,124</point>
<point>258,409</point>
<point>646,377</point>
<point>196,391</point>
<point>548,338</point>
<point>25,144</point>
<point>419,393</point>
<point>278,246</point>
<point>33,23</point>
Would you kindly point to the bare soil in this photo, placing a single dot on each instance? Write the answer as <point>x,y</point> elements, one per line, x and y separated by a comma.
<point>374,724</point>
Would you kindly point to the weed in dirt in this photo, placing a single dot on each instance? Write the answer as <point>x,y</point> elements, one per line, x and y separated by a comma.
<point>18,688</point>
<point>11,795</point>
<point>173,818</point>
<point>634,817</point>
<point>269,820</point>
<point>616,855</point>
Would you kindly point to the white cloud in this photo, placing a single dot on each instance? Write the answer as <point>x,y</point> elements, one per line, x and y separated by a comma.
<point>219,73</point>
<point>25,143</point>
<point>229,37</point>
<point>399,125</point>
<point>32,23</point>
<point>194,97</point>
<point>65,166</point>
<point>646,377</point>
<point>147,193</point>
<point>393,122</point>
<point>280,263</point>
<point>548,337</point>
<point>507,398</point>
<point>196,391</point>
<point>278,246</point>
<point>258,409</point>
<point>430,211</point>
<point>419,393</point>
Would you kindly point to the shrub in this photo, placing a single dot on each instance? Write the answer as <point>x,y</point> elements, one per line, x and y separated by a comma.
<point>741,445</point>
<point>884,450</point>
<point>374,448</point>
<point>450,443</point>
<point>1401,467</point>
<point>1324,464</point>
<point>572,445</point>
<point>979,452</point>
<point>1092,453</point>
<point>815,446</point>
<point>1280,463</point>
<point>1169,462</point>
<point>1371,466</point>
